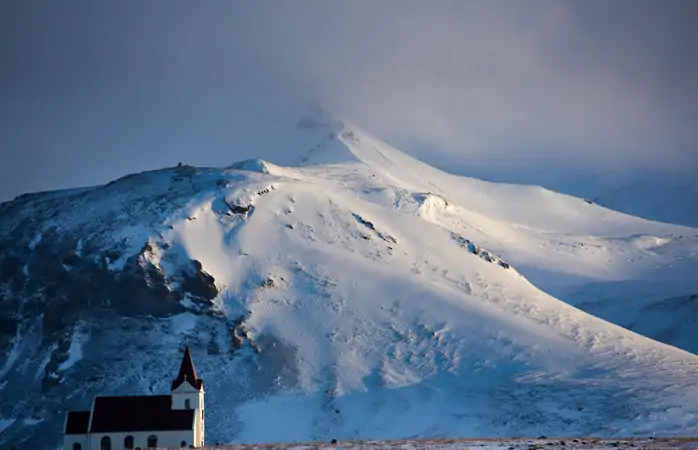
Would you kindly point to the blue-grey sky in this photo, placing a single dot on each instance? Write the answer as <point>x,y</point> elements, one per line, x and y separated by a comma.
<point>91,89</point>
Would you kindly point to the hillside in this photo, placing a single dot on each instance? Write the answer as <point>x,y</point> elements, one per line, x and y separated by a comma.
<point>358,293</point>
<point>661,195</point>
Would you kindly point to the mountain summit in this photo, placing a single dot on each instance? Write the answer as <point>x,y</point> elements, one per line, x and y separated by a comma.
<point>357,293</point>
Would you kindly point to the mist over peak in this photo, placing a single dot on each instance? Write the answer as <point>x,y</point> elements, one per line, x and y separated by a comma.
<point>128,87</point>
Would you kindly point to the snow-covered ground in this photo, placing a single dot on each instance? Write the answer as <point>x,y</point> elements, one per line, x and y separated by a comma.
<point>586,443</point>
<point>388,299</point>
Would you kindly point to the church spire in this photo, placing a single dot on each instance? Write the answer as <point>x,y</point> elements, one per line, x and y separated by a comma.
<point>187,372</point>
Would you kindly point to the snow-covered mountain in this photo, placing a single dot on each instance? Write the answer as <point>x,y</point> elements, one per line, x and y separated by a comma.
<point>356,293</point>
<point>661,195</point>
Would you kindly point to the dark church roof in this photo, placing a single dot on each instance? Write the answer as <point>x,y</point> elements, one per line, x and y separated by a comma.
<point>77,422</point>
<point>139,413</point>
<point>187,372</point>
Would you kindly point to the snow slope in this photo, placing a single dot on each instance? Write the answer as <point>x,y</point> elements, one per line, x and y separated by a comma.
<point>661,195</point>
<point>376,297</point>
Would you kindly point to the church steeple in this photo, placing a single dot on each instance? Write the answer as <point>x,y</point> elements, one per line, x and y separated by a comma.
<point>187,372</point>
<point>188,394</point>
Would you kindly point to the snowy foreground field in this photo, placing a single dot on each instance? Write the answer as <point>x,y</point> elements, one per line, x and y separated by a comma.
<point>484,444</point>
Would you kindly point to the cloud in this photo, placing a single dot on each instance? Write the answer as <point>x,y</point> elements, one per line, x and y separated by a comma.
<point>594,82</point>
<point>609,81</point>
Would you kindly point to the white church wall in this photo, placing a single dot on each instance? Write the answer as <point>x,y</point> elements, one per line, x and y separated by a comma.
<point>69,440</point>
<point>199,424</point>
<point>166,439</point>
<point>198,428</point>
<point>196,401</point>
<point>187,392</point>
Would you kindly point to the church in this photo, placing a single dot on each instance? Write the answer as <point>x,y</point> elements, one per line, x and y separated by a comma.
<point>142,422</point>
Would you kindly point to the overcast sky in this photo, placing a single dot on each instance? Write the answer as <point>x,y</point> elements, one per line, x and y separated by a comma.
<point>91,89</point>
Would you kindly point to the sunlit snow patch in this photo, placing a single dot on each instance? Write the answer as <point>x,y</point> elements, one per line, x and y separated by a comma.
<point>183,323</point>
<point>253,165</point>
<point>75,350</point>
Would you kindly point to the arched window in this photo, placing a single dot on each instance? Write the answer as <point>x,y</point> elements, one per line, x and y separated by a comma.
<point>105,443</point>
<point>187,403</point>
<point>77,446</point>
<point>128,443</point>
<point>152,441</point>
<point>183,444</point>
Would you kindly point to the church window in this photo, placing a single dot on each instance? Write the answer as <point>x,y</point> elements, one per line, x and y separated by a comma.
<point>105,443</point>
<point>128,443</point>
<point>187,403</point>
<point>152,441</point>
<point>77,446</point>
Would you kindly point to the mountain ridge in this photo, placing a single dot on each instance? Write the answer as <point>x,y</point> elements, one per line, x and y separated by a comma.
<point>361,292</point>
